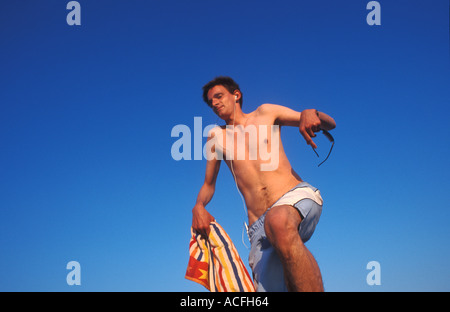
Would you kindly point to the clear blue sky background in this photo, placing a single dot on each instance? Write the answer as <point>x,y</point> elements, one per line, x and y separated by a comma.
<point>86,114</point>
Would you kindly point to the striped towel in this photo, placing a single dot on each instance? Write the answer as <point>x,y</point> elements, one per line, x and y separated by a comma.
<point>216,264</point>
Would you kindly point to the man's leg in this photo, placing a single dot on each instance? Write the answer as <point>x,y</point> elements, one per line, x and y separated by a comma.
<point>301,271</point>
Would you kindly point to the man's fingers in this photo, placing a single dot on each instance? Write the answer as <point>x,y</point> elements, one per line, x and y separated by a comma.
<point>309,124</point>
<point>203,229</point>
<point>307,136</point>
<point>311,132</point>
<point>204,233</point>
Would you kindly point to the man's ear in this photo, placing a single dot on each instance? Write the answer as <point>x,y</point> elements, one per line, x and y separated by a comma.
<point>237,95</point>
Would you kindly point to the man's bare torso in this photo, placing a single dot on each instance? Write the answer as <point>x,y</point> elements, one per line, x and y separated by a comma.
<point>261,181</point>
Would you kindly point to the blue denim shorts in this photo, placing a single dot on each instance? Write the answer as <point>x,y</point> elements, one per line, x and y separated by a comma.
<point>263,259</point>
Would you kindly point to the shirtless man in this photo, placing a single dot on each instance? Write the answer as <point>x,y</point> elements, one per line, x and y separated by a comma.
<point>282,209</point>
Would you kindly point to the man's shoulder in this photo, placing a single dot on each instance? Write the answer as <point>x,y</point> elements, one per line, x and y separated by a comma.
<point>266,107</point>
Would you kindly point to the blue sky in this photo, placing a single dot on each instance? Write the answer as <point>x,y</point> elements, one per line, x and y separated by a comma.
<point>86,114</point>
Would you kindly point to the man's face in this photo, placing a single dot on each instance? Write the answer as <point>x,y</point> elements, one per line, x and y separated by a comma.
<point>222,101</point>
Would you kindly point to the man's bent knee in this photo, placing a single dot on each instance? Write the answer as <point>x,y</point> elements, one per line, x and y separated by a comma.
<point>282,223</point>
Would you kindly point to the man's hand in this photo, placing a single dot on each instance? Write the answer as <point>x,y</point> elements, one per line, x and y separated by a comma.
<point>201,219</point>
<point>309,123</point>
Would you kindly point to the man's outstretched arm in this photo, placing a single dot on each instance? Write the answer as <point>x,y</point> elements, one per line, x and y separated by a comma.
<point>308,121</point>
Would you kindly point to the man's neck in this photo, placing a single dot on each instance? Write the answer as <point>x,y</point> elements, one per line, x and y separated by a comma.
<point>238,118</point>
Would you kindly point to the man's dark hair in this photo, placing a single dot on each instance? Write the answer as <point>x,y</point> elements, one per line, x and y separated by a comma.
<point>227,82</point>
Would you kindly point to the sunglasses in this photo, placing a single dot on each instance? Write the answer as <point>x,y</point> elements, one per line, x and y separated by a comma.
<point>331,139</point>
